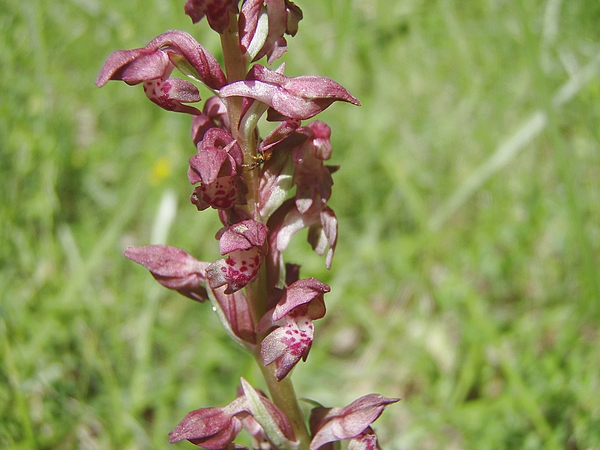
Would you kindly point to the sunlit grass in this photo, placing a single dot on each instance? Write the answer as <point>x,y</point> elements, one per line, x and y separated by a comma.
<point>466,277</point>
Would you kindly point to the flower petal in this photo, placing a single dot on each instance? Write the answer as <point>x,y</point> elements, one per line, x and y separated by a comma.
<point>235,271</point>
<point>170,94</point>
<point>216,11</point>
<point>224,193</point>
<point>156,60</point>
<point>297,98</point>
<point>352,421</point>
<point>172,267</point>
<point>300,293</point>
<point>134,66</point>
<point>214,114</point>
<point>210,427</point>
<point>243,236</point>
<point>287,344</point>
<point>365,441</point>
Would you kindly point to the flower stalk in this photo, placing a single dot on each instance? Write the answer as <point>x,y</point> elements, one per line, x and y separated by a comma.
<point>283,395</point>
<point>265,190</point>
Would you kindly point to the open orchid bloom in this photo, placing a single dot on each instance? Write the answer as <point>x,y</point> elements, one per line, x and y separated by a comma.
<point>153,64</point>
<point>299,304</point>
<point>351,422</point>
<point>219,155</point>
<point>174,268</point>
<point>217,166</point>
<point>244,243</point>
<point>297,98</point>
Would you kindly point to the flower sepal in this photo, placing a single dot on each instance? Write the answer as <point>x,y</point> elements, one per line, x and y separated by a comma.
<point>352,422</point>
<point>174,268</point>
<point>297,98</point>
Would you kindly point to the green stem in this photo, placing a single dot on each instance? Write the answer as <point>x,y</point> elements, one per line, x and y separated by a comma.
<point>283,395</point>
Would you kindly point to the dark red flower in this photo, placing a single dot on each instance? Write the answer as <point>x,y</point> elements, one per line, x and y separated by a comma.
<point>153,64</point>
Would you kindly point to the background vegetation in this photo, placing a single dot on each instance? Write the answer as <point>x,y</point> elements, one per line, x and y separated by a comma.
<point>466,280</point>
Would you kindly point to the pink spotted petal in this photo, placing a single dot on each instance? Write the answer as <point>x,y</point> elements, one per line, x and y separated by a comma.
<point>224,193</point>
<point>365,441</point>
<point>170,94</point>
<point>235,271</point>
<point>286,345</point>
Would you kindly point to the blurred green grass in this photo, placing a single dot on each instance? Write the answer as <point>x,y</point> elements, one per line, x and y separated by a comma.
<point>466,278</point>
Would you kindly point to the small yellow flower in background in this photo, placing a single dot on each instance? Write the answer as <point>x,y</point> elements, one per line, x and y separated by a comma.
<point>160,170</point>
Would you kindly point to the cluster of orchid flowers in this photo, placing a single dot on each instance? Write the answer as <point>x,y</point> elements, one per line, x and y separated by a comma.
<point>262,303</point>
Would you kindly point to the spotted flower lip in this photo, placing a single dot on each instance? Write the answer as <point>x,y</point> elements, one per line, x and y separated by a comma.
<point>297,98</point>
<point>286,345</point>
<point>244,243</point>
<point>298,305</point>
<point>172,93</point>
